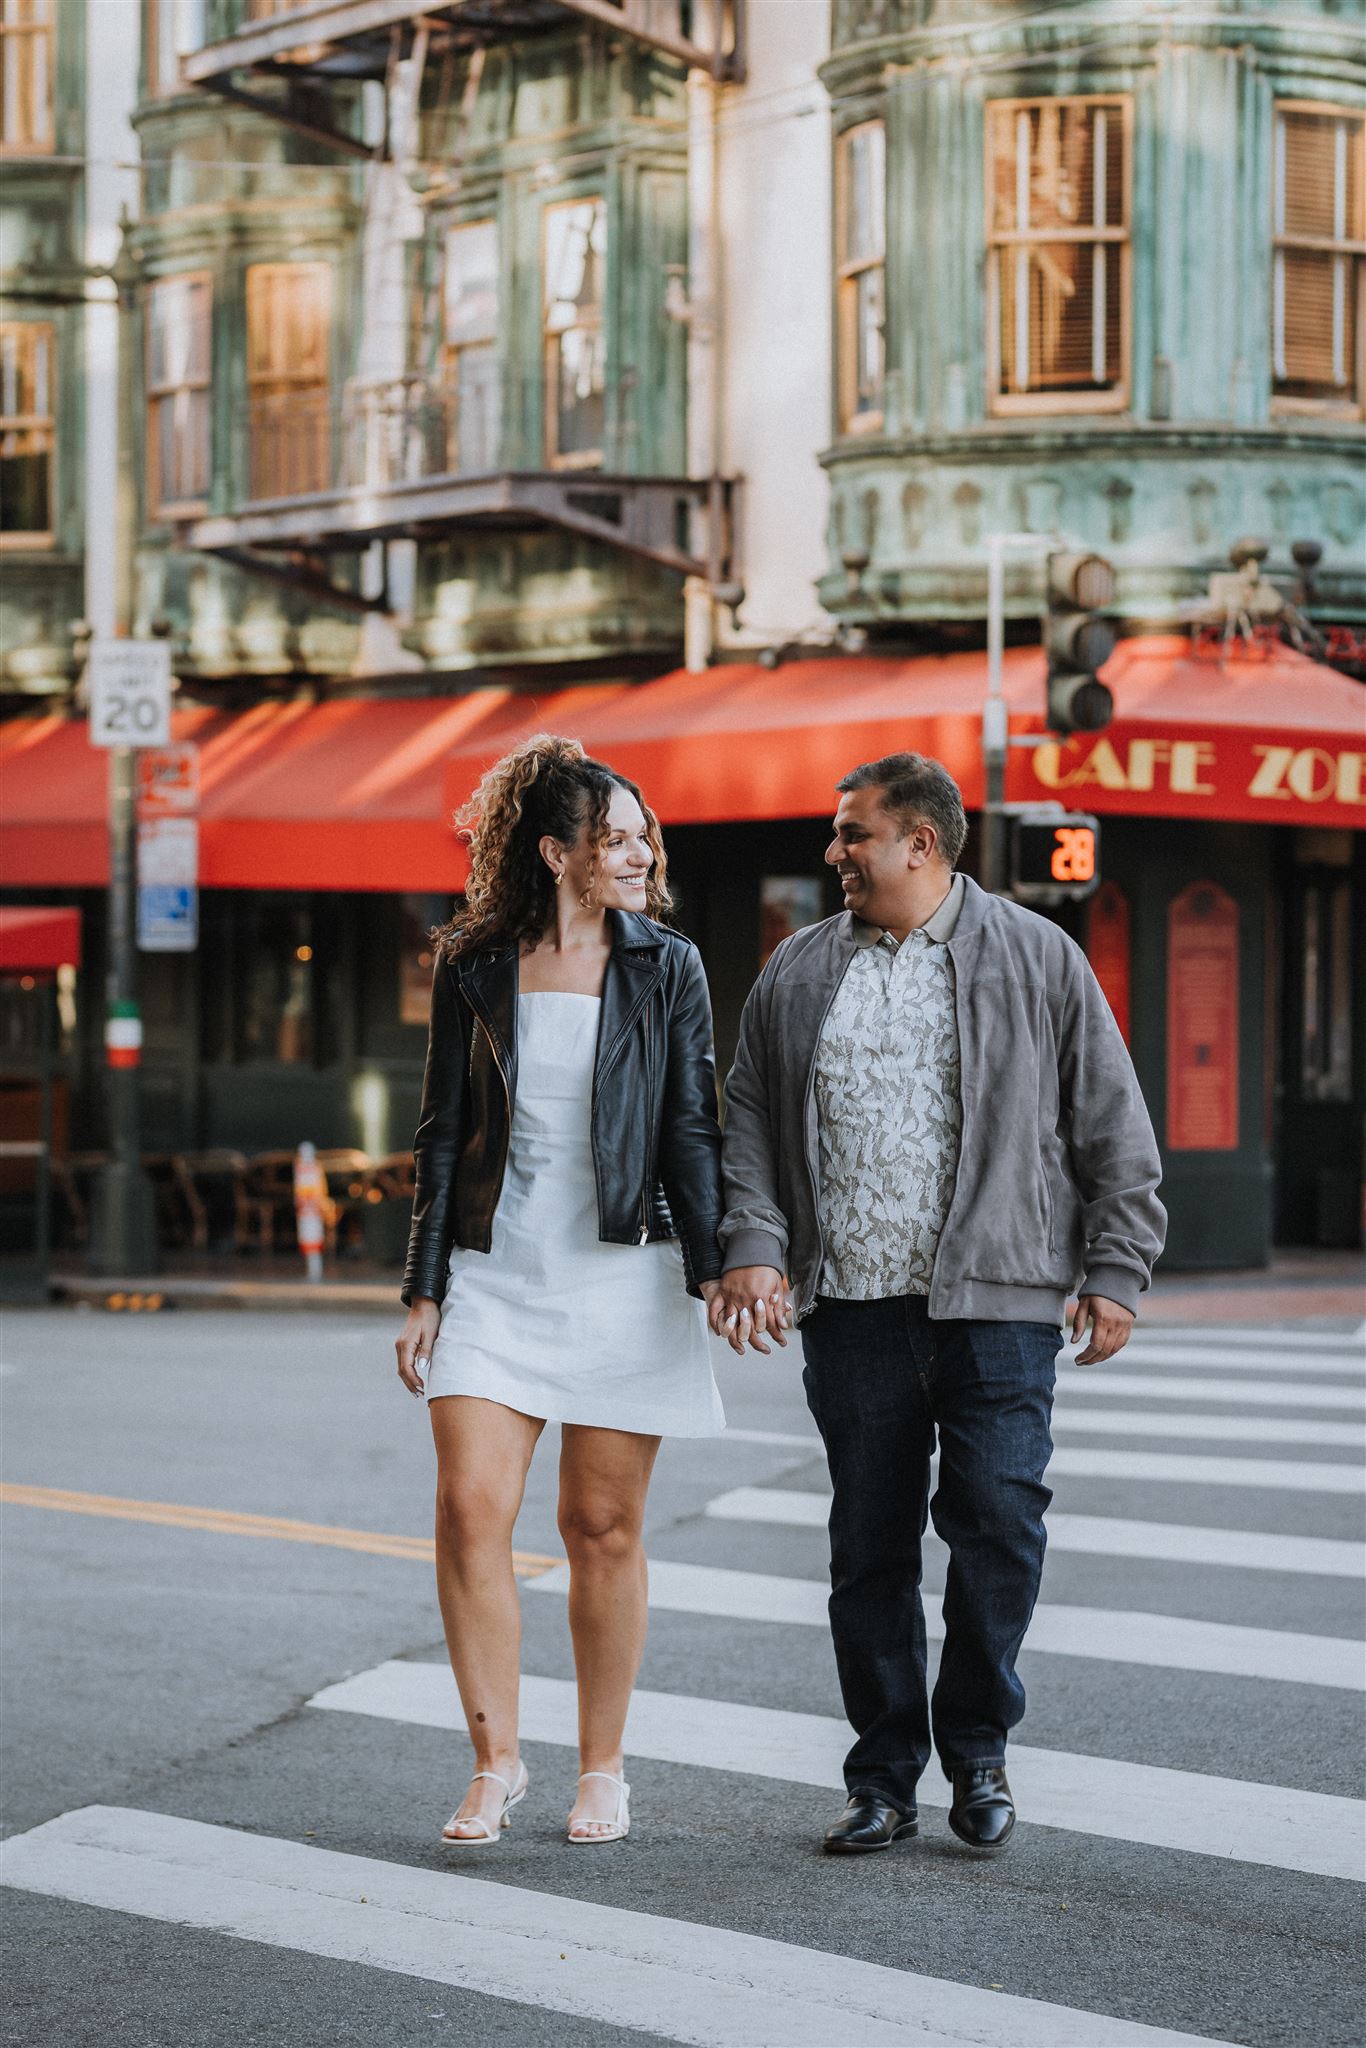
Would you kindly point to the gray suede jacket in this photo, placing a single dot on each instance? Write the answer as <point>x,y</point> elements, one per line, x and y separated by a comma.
<point>1058,1169</point>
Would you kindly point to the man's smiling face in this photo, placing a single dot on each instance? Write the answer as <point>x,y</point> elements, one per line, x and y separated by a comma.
<point>873,861</point>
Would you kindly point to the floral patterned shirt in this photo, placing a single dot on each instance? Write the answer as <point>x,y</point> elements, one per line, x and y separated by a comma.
<point>889,1111</point>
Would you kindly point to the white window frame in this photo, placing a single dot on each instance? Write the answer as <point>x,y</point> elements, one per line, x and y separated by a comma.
<point>174,28</point>
<point>41,421</point>
<point>186,394</point>
<point>1349,269</point>
<point>850,270</point>
<point>28,26</point>
<point>578,458</point>
<point>289,406</point>
<point>453,349</point>
<point>1015,244</point>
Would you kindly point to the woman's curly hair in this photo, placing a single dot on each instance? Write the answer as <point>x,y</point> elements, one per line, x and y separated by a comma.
<point>547,785</point>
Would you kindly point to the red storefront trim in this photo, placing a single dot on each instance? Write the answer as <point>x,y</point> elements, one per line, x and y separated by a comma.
<point>358,793</point>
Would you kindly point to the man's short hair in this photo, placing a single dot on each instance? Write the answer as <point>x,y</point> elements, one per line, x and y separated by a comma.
<point>916,791</point>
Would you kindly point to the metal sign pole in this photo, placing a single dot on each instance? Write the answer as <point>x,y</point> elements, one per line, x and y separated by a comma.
<point>130,706</point>
<point>995,711</point>
<point>123,1239</point>
<point>995,725</point>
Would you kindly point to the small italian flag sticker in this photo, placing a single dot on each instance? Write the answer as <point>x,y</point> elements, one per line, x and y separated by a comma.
<point>123,1036</point>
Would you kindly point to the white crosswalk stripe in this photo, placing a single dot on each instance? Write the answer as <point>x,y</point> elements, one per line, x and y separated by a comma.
<point>1296,1358</point>
<point>1252,1338</point>
<point>1170,1641</point>
<point>1075,1419</point>
<point>799,1440</point>
<point>693,1983</point>
<point>1070,1420</point>
<point>1094,1535</point>
<point>1279,1394</point>
<point>1279,1475</point>
<point>1176,1468</point>
<point>1314,1832</point>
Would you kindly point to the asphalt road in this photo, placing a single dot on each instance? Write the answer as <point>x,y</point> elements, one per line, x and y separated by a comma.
<point>1191,1846</point>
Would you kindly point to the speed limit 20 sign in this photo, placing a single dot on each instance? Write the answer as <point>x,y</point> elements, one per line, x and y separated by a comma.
<point>130,693</point>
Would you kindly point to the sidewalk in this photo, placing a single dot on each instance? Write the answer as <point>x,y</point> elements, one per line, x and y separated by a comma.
<point>1298,1286</point>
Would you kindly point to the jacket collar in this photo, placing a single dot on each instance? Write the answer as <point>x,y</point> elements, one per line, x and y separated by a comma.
<point>633,934</point>
<point>946,923</point>
<point>490,976</point>
<point>630,933</point>
<point>976,907</point>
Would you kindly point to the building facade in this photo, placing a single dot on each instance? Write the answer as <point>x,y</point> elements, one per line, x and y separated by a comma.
<point>469,356</point>
<point>68,174</point>
<point>1097,273</point>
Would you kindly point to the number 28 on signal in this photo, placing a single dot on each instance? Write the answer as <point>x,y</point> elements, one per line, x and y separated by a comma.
<point>1074,854</point>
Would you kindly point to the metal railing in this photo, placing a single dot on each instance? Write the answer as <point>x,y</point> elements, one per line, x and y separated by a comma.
<point>286,33</point>
<point>693,20</point>
<point>408,453</point>
<point>394,431</point>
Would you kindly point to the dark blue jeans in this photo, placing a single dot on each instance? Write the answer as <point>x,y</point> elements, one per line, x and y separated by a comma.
<point>881,1379</point>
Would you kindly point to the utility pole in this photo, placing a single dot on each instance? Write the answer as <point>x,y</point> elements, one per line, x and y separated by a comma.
<point>123,1239</point>
<point>130,700</point>
<point>995,715</point>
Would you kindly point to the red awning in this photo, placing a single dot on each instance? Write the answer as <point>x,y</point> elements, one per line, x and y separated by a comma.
<point>358,793</point>
<point>1280,739</point>
<point>38,940</point>
<point>343,795</point>
<point>1274,740</point>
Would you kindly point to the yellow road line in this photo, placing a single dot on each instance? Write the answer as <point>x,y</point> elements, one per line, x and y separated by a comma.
<point>229,1522</point>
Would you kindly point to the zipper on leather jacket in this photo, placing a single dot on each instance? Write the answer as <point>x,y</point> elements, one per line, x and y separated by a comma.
<point>613,1054</point>
<point>648,1181</point>
<point>507,1129</point>
<point>480,1025</point>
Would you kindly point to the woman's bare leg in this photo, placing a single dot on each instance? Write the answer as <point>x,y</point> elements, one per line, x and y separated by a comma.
<point>483,1451</point>
<point>604,1477</point>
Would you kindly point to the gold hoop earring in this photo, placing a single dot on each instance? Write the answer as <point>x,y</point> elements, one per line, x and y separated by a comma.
<point>586,900</point>
<point>559,876</point>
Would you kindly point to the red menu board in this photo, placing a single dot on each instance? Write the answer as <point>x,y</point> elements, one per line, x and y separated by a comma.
<point>1202,1021</point>
<point>1107,948</point>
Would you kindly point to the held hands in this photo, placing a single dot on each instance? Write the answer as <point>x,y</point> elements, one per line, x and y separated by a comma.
<point>1110,1327</point>
<point>415,1340</point>
<point>748,1305</point>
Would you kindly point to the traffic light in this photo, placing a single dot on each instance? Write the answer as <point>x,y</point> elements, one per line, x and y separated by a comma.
<point>1054,854</point>
<point>1077,642</point>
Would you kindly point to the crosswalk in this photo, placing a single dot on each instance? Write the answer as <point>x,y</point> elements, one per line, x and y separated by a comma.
<point>690,1982</point>
<point>1284,1829</point>
<point>1107,1635</point>
<point>1092,1535</point>
<point>1134,1498</point>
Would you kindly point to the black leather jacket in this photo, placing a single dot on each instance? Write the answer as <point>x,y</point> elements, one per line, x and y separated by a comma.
<point>656,1139</point>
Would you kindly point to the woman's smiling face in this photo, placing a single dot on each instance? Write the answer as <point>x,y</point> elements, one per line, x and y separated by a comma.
<point>617,875</point>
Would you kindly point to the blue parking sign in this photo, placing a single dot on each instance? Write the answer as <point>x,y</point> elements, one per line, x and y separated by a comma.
<point>168,917</point>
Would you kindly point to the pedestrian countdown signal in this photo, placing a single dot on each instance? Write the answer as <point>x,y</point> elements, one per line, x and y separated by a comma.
<point>1054,856</point>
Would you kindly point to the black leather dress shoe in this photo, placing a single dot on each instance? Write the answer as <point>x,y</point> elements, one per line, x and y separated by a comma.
<point>868,1823</point>
<point>983,1812</point>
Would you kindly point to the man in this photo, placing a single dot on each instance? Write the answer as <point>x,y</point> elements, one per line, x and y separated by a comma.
<point>934,1127</point>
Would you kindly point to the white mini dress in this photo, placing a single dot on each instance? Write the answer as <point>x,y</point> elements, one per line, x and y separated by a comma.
<point>551,1321</point>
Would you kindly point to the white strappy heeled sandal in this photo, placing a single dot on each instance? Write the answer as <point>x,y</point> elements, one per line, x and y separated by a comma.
<point>615,1830</point>
<point>512,1794</point>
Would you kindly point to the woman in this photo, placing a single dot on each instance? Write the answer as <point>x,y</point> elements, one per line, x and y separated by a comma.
<point>568,1131</point>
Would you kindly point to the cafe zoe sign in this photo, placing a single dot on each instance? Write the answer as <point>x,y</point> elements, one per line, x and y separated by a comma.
<point>1229,775</point>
